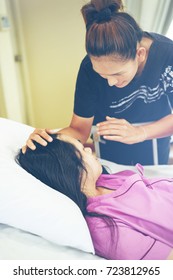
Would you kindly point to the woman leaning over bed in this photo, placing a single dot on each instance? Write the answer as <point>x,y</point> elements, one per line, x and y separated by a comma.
<point>125,79</point>
<point>128,215</point>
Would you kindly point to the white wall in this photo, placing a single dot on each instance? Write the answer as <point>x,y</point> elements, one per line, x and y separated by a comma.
<point>54,35</point>
<point>52,46</point>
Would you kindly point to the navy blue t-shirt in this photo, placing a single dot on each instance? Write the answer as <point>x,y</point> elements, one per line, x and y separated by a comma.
<point>147,98</point>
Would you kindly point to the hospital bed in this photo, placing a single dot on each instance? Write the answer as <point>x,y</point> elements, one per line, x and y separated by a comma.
<point>37,222</point>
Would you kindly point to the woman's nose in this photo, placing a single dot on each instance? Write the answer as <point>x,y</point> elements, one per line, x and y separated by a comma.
<point>112,81</point>
<point>88,150</point>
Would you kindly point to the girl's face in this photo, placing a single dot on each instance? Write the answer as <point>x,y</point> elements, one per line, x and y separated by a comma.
<point>118,73</point>
<point>90,161</point>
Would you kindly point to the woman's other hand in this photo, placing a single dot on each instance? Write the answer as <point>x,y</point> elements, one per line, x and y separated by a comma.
<point>121,130</point>
<point>40,136</point>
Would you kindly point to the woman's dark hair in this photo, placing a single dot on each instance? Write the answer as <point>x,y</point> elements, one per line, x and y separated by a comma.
<point>60,166</point>
<point>109,30</point>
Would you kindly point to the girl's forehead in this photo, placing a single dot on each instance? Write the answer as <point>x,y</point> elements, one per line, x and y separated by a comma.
<point>69,139</point>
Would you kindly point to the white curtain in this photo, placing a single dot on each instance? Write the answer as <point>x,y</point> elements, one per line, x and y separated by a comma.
<point>152,15</point>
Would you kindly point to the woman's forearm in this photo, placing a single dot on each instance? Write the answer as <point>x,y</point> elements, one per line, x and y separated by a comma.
<point>76,133</point>
<point>160,128</point>
<point>79,128</point>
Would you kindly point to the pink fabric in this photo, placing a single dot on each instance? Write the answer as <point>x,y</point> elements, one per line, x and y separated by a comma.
<point>143,212</point>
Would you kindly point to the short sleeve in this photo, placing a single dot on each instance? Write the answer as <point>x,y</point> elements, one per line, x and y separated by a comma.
<point>168,82</point>
<point>85,92</point>
<point>167,74</point>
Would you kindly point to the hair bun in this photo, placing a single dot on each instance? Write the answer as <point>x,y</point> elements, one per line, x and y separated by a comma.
<point>100,11</point>
<point>116,6</point>
<point>103,15</point>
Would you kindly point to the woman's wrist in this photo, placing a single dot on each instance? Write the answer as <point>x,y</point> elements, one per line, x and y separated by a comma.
<point>142,133</point>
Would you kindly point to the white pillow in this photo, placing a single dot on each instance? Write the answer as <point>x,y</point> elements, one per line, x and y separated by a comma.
<point>28,204</point>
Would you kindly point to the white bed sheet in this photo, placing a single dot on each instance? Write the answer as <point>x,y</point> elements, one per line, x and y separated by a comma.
<point>149,171</point>
<point>17,244</point>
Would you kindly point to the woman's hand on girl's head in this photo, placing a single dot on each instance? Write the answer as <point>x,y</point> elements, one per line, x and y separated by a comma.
<point>40,136</point>
<point>121,130</point>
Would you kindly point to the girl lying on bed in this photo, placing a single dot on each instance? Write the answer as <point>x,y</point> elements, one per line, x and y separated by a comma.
<point>128,215</point>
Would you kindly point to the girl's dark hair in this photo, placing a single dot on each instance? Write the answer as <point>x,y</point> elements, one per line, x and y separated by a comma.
<point>60,166</point>
<point>110,31</point>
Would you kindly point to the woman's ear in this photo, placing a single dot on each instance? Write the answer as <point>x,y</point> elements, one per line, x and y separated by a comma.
<point>141,54</point>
